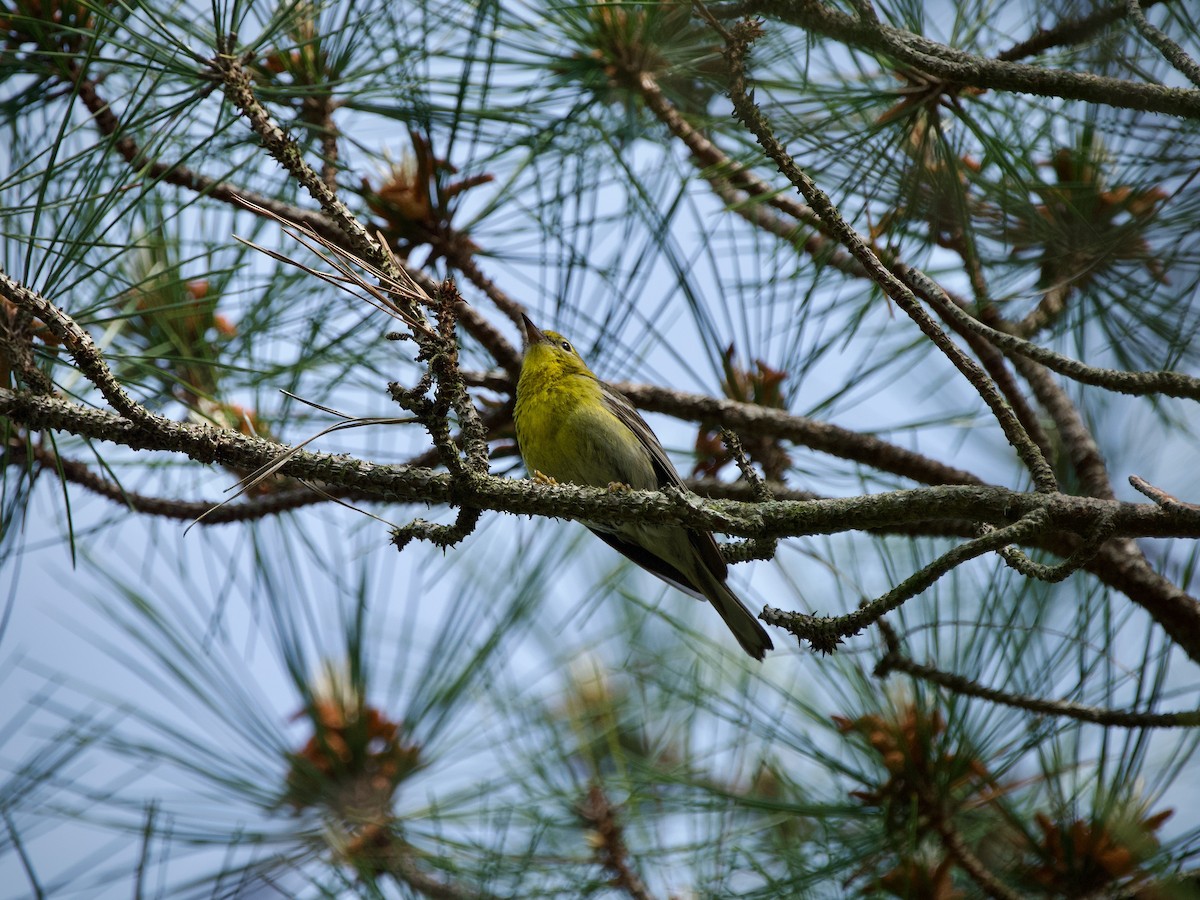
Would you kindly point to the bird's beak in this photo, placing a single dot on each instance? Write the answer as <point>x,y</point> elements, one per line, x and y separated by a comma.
<point>533,334</point>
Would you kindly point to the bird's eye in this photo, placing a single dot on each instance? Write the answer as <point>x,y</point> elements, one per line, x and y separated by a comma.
<point>566,345</point>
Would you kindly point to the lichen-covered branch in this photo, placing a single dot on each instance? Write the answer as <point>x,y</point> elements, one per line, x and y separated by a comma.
<point>79,344</point>
<point>824,633</point>
<point>778,518</point>
<point>1171,51</point>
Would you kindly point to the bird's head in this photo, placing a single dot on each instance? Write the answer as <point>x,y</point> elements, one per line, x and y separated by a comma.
<point>551,353</point>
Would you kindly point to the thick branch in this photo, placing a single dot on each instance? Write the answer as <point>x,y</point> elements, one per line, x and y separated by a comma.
<point>1116,565</point>
<point>1173,608</point>
<point>750,419</point>
<point>778,518</point>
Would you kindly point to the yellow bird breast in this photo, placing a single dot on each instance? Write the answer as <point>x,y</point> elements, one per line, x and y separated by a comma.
<point>566,431</point>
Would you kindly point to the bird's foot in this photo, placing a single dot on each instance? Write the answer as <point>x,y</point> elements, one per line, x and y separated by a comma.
<point>543,478</point>
<point>619,487</point>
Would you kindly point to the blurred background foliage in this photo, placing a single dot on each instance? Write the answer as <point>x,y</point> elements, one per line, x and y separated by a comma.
<point>285,706</point>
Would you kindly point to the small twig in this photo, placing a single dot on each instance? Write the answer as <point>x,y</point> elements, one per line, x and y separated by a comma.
<point>481,328</point>
<point>442,536</point>
<point>1161,497</point>
<point>451,390</point>
<point>1086,552</point>
<point>1171,51</point>
<point>609,844</point>
<point>994,363</point>
<point>496,418</point>
<point>992,360</point>
<point>259,507</point>
<point>758,486</point>
<point>750,549</point>
<point>958,849</point>
<point>824,633</point>
<point>318,108</point>
<point>1082,450</point>
<point>895,661</point>
<point>456,248</point>
<point>239,90</point>
<point>1066,32</point>
<point>1052,305</point>
<point>449,393</point>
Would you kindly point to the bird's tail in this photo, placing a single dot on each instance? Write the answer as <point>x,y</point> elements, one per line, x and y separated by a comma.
<point>745,627</point>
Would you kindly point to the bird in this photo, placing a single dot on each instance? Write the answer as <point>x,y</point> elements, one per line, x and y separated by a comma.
<point>572,427</point>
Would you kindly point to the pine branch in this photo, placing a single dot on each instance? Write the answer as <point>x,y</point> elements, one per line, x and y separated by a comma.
<point>1171,51</point>
<point>1137,384</point>
<point>737,45</point>
<point>894,660</point>
<point>610,844</point>
<point>79,344</point>
<point>183,176</point>
<point>214,512</point>
<point>959,67</point>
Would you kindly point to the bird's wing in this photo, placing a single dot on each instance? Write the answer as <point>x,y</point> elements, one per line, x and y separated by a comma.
<point>702,541</point>
<point>632,419</point>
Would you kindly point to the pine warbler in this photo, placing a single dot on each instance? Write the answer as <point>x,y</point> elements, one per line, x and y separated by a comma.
<point>573,427</point>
